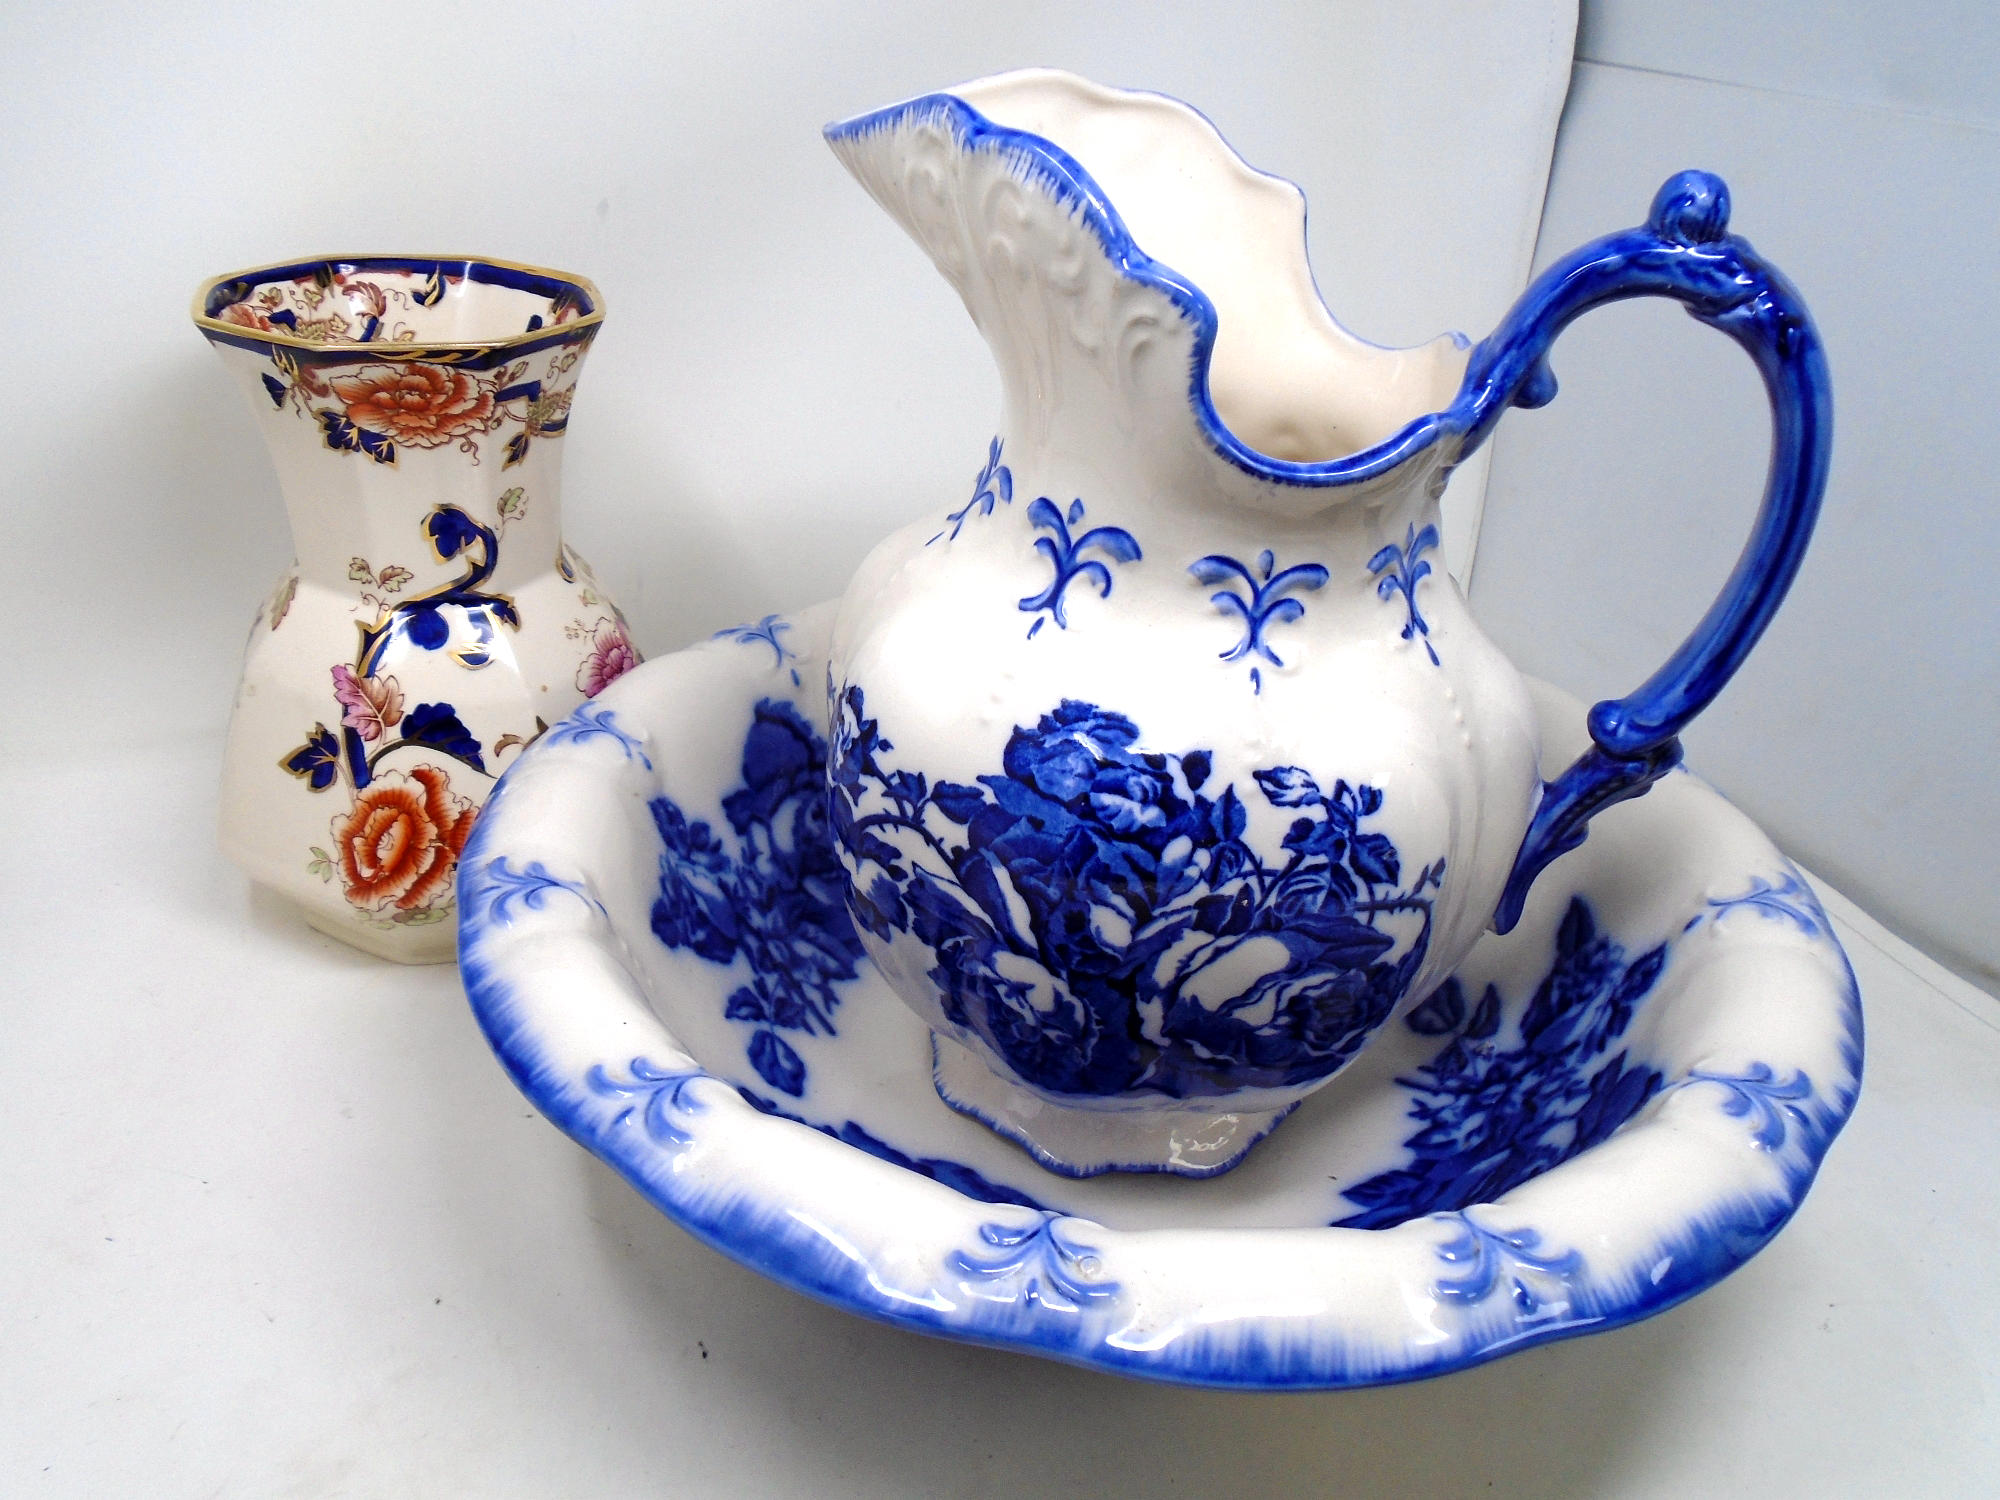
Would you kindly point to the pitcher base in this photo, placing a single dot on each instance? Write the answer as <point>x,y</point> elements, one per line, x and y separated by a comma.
<point>1194,1141</point>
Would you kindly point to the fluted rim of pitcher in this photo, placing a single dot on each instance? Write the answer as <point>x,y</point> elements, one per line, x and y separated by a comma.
<point>455,351</point>
<point>1072,182</point>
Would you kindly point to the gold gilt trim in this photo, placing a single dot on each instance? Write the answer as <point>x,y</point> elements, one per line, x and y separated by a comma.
<point>444,352</point>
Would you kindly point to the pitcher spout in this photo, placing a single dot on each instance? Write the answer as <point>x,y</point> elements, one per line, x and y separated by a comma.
<point>1141,285</point>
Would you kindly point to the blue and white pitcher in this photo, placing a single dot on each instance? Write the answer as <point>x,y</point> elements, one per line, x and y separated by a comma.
<point>1170,763</point>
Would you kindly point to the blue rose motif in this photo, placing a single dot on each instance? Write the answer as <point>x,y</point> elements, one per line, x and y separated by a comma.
<point>1493,1111</point>
<point>1136,881</point>
<point>776,901</point>
<point>693,908</point>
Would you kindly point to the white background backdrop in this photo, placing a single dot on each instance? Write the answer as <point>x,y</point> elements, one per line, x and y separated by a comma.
<point>782,378</point>
<point>273,1221</point>
<point>1862,144</point>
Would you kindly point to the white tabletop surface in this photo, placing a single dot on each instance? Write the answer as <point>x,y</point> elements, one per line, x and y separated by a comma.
<point>276,1224</point>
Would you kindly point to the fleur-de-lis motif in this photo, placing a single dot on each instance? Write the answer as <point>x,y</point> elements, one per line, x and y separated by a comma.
<point>593,720</point>
<point>505,888</point>
<point>1063,551</point>
<point>1266,606</point>
<point>995,482</point>
<point>1791,900</point>
<point>1399,570</point>
<point>1486,1257</point>
<point>766,631</point>
<point>663,1098</point>
<point>1761,1096</point>
<point>1035,1262</point>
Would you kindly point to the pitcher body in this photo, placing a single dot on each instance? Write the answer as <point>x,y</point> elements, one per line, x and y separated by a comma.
<point>1161,777</point>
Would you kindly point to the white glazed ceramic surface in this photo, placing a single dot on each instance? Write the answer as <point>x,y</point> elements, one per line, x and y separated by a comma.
<point>650,934</point>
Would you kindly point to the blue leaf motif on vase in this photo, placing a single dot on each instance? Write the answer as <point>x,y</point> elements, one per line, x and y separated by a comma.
<point>343,436</point>
<point>766,632</point>
<point>317,761</point>
<point>438,727</point>
<point>451,531</point>
<point>424,622</point>
<point>508,889</point>
<point>662,1095</point>
<point>1398,569</point>
<point>1759,1095</point>
<point>1065,554</point>
<point>594,721</point>
<point>1492,1112</point>
<point>1099,920</point>
<point>995,483</point>
<point>1790,900</point>
<point>1269,603</point>
<point>1484,1259</point>
<point>1036,1262</point>
<point>773,902</point>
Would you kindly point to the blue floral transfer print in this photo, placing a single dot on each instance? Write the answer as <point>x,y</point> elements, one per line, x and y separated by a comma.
<point>774,901</point>
<point>1490,1115</point>
<point>1099,919</point>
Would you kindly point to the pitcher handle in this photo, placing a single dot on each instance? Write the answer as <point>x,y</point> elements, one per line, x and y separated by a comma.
<point>1683,251</point>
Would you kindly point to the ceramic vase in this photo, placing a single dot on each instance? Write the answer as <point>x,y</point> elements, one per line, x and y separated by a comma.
<point>433,622</point>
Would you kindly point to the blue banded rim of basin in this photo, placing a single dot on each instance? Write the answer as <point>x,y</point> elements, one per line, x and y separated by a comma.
<point>1604,1112</point>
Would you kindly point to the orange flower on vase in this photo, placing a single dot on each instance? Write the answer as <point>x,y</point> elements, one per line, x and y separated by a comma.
<point>400,841</point>
<point>421,406</point>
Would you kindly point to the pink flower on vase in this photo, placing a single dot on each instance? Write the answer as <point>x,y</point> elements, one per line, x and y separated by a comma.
<point>611,656</point>
<point>370,705</point>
